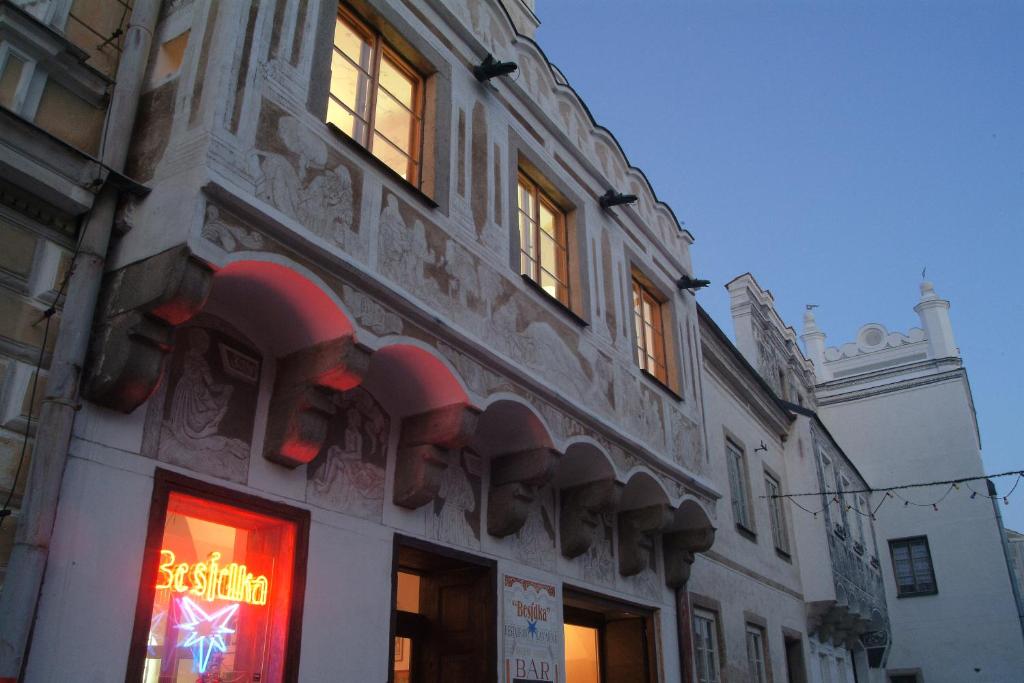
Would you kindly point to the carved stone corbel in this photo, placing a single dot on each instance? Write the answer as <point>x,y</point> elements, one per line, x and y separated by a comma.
<point>303,403</point>
<point>515,478</point>
<point>679,548</point>
<point>428,444</point>
<point>139,307</point>
<point>637,529</point>
<point>581,510</point>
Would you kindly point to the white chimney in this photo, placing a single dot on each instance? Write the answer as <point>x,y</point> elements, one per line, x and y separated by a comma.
<point>814,344</point>
<point>934,314</point>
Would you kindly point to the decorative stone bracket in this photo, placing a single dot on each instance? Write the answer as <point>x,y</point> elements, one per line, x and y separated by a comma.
<point>637,529</point>
<point>580,518</point>
<point>515,478</point>
<point>425,450</point>
<point>303,400</point>
<point>679,547</point>
<point>140,305</point>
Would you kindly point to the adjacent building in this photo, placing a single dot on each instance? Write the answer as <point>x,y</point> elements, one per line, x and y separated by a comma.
<point>901,405</point>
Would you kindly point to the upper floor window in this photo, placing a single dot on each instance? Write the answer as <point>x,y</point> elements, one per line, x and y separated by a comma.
<point>376,97</point>
<point>779,535</point>
<point>705,646</point>
<point>650,331</point>
<point>756,655</point>
<point>543,240</point>
<point>912,564</point>
<point>738,485</point>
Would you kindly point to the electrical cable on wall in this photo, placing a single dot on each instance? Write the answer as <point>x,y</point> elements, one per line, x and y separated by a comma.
<point>47,315</point>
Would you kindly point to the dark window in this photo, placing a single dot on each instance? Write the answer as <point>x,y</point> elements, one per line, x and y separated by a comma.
<point>912,564</point>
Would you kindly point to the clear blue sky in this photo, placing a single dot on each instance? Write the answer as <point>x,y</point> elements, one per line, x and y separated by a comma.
<point>833,149</point>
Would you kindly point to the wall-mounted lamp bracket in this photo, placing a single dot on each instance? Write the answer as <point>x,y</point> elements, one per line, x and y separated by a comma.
<point>691,284</point>
<point>612,198</point>
<point>491,67</point>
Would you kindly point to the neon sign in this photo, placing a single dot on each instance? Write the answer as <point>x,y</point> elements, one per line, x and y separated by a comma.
<point>210,581</point>
<point>206,632</point>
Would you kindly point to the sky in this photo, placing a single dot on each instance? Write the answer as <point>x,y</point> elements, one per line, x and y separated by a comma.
<point>833,149</point>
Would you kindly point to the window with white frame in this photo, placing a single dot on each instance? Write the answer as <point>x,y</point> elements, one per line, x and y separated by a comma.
<point>773,489</point>
<point>756,667</point>
<point>738,486</point>
<point>705,646</point>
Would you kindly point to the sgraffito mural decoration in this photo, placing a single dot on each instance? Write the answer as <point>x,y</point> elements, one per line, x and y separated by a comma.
<point>348,474</point>
<point>534,543</point>
<point>209,402</point>
<point>296,172</point>
<point>455,514</point>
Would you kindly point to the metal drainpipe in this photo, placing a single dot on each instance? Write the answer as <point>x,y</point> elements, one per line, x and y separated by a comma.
<point>1006,554</point>
<point>20,596</point>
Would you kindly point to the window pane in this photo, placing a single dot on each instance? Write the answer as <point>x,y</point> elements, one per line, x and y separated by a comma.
<point>223,592</point>
<point>394,122</point>
<point>396,82</point>
<point>343,119</point>
<point>391,156</point>
<point>9,80</point>
<point>547,219</point>
<point>350,85</point>
<point>526,242</point>
<point>525,199</point>
<point>353,44</point>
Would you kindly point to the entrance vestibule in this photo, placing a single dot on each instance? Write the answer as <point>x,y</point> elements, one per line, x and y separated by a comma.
<point>444,615</point>
<point>607,641</point>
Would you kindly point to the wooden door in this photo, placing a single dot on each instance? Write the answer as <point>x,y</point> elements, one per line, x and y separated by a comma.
<point>626,657</point>
<point>458,606</point>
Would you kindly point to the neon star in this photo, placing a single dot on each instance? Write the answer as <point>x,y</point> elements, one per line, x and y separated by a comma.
<point>205,631</point>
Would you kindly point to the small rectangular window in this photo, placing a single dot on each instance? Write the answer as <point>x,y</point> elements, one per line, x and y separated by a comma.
<point>756,655</point>
<point>169,57</point>
<point>376,97</point>
<point>10,79</point>
<point>778,520</point>
<point>738,485</point>
<point>705,646</point>
<point>224,589</point>
<point>912,565</point>
<point>649,323</point>
<point>543,240</point>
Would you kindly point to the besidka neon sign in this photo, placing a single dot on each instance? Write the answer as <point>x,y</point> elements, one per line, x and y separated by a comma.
<point>211,581</point>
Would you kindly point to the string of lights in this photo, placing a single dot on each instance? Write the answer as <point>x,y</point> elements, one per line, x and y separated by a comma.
<point>837,496</point>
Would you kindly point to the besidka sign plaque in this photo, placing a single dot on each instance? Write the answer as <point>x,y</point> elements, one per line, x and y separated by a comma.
<point>532,632</point>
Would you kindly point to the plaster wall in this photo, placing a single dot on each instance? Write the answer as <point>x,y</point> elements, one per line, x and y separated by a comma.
<point>737,599</point>
<point>726,419</point>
